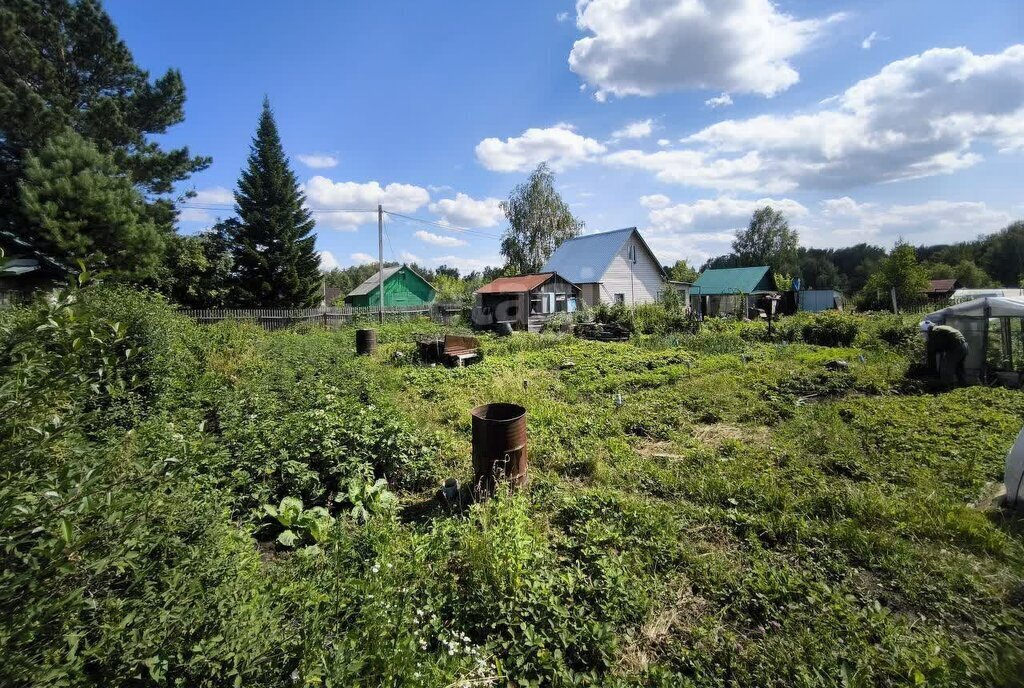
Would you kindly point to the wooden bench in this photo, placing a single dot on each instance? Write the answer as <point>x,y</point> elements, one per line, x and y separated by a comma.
<point>460,350</point>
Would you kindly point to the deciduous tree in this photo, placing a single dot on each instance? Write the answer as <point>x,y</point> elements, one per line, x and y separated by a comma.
<point>768,240</point>
<point>539,221</point>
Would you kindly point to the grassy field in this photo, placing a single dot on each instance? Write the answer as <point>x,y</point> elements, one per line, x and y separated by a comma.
<point>745,517</point>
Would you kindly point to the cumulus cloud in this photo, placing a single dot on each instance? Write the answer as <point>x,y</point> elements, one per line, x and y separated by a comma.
<point>409,257</point>
<point>705,228</point>
<point>326,197</point>
<point>663,142</point>
<point>635,130</point>
<point>917,117</point>
<point>644,47</point>
<point>467,211</point>
<point>215,195</point>
<point>560,146</point>
<point>843,220</point>
<point>361,258</point>
<point>701,169</point>
<point>438,239</point>
<point>655,201</point>
<point>723,100</point>
<point>328,261</point>
<point>317,160</point>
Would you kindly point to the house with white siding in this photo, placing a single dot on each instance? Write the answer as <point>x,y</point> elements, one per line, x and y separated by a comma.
<point>611,267</point>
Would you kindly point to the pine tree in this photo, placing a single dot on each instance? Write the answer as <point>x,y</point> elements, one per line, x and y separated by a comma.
<point>275,261</point>
<point>81,206</point>
<point>65,67</point>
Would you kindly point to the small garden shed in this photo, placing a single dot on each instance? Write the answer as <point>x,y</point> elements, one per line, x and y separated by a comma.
<point>403,287</point>
<point>731,290</point>
<point>524,301</point>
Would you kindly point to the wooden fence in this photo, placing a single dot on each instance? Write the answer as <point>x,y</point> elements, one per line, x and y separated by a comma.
<point>331,317</point>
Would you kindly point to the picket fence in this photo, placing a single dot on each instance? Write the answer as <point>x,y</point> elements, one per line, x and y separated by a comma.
<point>329,317</point>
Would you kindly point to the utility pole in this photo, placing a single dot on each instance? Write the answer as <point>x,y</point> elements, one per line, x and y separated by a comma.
<point>380,262</point>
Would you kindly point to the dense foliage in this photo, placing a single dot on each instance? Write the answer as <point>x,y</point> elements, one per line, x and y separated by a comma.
<point>218,505</point>
<point>65,67</point>
<point>538,222</point>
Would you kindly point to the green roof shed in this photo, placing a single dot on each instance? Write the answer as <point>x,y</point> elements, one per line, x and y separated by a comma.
<point>403,286</point>
<point>735,281</point>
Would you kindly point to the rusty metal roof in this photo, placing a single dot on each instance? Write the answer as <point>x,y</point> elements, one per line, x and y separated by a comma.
<point>942,285</point>
<point>514,285</point>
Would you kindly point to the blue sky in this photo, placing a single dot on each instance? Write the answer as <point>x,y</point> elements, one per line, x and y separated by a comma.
<point>863,121</point>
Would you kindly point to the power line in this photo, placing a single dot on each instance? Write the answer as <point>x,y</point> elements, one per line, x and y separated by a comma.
<point>444,226</point>
<point>317,210</point>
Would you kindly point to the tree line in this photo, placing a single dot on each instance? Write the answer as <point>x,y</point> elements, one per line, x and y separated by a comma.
<point>81,178</point>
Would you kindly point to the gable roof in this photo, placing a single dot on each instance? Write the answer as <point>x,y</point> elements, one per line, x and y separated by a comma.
<point>731,280</point>
<point>586,258</point>
<point>942,285</point>
<point>516,284</point>
<point>373,280</point>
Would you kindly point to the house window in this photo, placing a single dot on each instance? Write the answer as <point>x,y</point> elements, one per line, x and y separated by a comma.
<point>536,304</point>
<point>560,303</point>
<point>620,299</point>
<point>631,253</point>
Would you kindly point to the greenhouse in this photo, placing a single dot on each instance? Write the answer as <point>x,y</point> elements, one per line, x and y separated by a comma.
<point>994,329</point>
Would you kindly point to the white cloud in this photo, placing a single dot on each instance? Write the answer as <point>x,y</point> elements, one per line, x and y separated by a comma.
<point>870,40</point>
<point>917,117</point>
<point>559,146</point>
<point>842,221</point>
<point>467,211</point>
<point>464,264</point>
<point>409,257</point>
<point>361,258</point>
<point>705,228</point>
<point>635,130</point>
<point>663,142</point>
<point>325,197</point>
<point>439,239</point>
<point>723,100</point>
<point>215,195</point>
<point>718,214</point>
<point>701,169</point>
<point>562,17</point>
<point>328,261</point>
<point>655,201</point>
<point>644,47</point>
<point>317,160</point>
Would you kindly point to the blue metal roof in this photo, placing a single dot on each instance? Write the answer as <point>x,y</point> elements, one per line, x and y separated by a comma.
<point>586,258</point>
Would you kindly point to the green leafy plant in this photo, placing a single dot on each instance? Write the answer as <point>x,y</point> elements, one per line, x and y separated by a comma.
<point>369,499</point>
<point>315,521</point>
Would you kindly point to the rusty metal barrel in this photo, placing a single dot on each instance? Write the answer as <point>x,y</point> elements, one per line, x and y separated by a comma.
<point>499,445</point>
<point>366,342</point>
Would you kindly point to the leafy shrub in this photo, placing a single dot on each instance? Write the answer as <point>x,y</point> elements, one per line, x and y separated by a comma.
<point>830,328</point>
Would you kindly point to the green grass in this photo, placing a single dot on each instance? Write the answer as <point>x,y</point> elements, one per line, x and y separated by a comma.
<point>746,517</point>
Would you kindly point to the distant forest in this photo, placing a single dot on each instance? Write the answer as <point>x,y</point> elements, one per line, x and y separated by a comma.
<point>990,260</point>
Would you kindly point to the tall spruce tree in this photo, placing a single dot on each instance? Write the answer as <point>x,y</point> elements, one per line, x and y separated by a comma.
<point>275,259</point>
